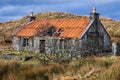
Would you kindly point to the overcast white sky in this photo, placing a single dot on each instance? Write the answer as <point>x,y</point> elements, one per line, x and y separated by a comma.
<point>14,9</point>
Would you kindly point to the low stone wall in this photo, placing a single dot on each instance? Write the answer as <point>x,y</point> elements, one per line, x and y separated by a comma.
<point>15,57</point>
<point>116,48</point>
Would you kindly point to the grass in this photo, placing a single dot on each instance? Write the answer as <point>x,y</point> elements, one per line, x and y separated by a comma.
<point>21,53</point>
<point>90,68</point>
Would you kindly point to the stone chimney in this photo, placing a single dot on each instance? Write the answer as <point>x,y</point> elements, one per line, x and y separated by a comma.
<point>94,15</point>
<point>31,17</point>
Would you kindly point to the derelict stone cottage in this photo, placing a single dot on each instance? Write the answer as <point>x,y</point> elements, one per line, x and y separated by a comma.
<point>74,36</point>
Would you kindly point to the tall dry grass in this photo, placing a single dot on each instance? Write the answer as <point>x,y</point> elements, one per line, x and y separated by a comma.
<point>91,68</point>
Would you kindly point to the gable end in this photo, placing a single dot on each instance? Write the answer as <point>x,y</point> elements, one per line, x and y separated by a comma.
<point>87,28</point>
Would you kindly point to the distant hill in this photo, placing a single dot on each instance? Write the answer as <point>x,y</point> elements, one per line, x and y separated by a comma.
<point>54,15</point>
<point>7,28</point>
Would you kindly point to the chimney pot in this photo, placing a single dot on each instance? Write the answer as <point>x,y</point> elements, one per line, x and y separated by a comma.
<point>94,10</point>
<point>31,17</point>
<point>31,14</point>
<point>94,15</point>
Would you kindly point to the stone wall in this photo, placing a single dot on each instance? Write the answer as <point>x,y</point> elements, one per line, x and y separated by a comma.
<point>95,40</point>
<point>16,43</point>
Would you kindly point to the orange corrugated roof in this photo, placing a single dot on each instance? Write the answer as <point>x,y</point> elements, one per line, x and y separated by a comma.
<point>72,28</point>
<point>27,32</point>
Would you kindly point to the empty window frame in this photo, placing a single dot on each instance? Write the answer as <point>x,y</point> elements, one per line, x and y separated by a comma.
<point>25,42</point>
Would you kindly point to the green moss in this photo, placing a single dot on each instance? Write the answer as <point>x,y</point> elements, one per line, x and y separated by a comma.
<point>110,59</point>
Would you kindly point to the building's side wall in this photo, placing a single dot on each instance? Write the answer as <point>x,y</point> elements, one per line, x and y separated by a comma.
<point>67,46</point>
<point>36,44</point>
<point>99,42</point>
<point>106,40</point>
<point>16,43</point>
<point>48,44</point>
<point>106,37</point>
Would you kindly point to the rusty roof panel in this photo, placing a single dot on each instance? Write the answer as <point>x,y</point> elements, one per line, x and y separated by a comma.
<point>73,28</point>
<point>27,32</point>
